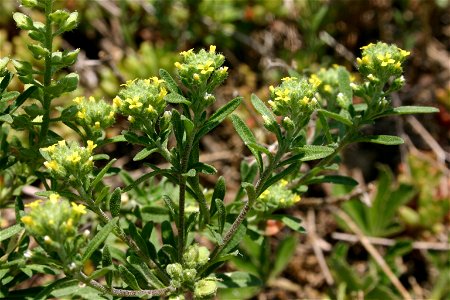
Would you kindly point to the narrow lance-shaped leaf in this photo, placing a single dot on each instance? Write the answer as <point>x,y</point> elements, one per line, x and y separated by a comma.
<point>101,174</point>
<point>169,81</point>
<point>219,193</point>
<point>176,99</point>
<point>219,116</point>
<point>335,116</point>
<point>128,278</point>
<point>404,110</point>
<point>144,153</point>
<point>221,214</point>
<point>247,136</point>
<point>115,201</point>
<point>314,152</point>
<point>10,231</point>
<point>381,139</point>
<point>98,239</point>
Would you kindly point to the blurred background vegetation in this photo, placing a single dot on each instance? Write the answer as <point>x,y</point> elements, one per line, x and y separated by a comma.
<point>263,41</point>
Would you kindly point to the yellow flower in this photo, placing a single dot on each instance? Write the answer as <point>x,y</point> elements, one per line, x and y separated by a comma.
<point>134,103</point>
<point>150,109</point>
<point>52,165</point>
<point>187,53</point>
<point>196,77</point>
<point>78,100</point>
<point>54,197</point>
<point>81,114</point>
<point>178,65</point>
<point>27,220</point>
<point>34,204</point>
<point>62,143</point>
<point>212,49</point>
<point>283,182</point>
<point>314,80</point>
<point>386,59</point>
<point>288,79</point>
<point>297,198</point>
<point>117,102</point>
<point>156,80</point>
<point>74,158</point>
<point>97,125</point>
<point>91,145</point>
<point>92,99</point>
<point>327,88</point>
<point>283,95</point>
<point>404,53</point>
<point>206,68</point>
<point>78,208</point>
<point>50,149</point>
<point>162,92</point>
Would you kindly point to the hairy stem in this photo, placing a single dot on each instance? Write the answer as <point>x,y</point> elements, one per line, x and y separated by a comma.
<point>123,293</point>
<point>47,73</point>
<point>125,238</point>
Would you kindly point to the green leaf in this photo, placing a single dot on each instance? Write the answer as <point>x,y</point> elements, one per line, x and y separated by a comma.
<point>336,179</point>
<point>128,278</point>
<point>335,116</point>
<point>219,116</point>
<point>247,136</point>
<point>290,221</point>
<point>115,201</point>
<point>344,86</point>
<point>106,262</point>
<point>190,173</point>
<point>21,99</point>
<point>60,283</point>
<point>144,153</point>
<point>176,98</point>
<point>8,96</point>
<point>314,152</point>
<point>204,168</point>
<point>100,175</point>
<point>221,214</point>
<point>219,193</point>
<point>405,110</point>
<point>169,81</point>
<point>172,207</point>
<point>237,280</point>
<point>10,231</point>
<point>262,108</point>
<point>380,139</point>
<point>282,174</point>
<point>98,239</point>
<point>6,118</point>
<point>140,242</point>
<point>283,255</point>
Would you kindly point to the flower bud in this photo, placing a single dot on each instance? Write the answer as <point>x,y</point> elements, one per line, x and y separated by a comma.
<point>175,271</point>
<point>204,288</point>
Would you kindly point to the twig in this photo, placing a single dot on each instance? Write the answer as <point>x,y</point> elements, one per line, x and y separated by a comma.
<point>312,236</point>
<point>374,253</point>
<point>390,242</point>
<point>441,155</point>
<point>358,192</point>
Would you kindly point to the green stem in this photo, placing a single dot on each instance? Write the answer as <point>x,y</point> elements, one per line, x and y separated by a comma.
<point>182,195</point>
<point>251,200</point>
<point>48,44</point>
<point>123,293</point>
<point>324,162</point>
<point>121,234</point>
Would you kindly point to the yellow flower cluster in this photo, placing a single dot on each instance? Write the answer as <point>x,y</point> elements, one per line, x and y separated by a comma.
<point>69,160</point>
<point>141,99</point>
<point>278,196</point>
<point>381,61</point>
<point>294,98</point>
<point>94,115</point>
<point>202,68</point>
<point>53,220</point>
